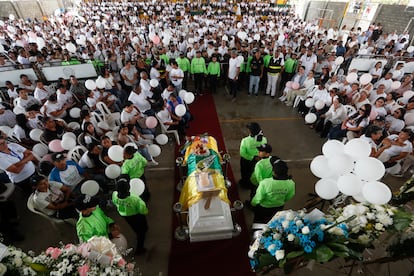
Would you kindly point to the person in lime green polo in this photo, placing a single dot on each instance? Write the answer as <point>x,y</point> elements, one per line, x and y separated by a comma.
<point>198,69</point>
<point>184,64</point>
<point>134,210</point>
<point>134,165</point>
<point>213,71</point>
<point>92,220</point>
<point>249,153</point>
<point>272,193</point>
<point>263,168</point>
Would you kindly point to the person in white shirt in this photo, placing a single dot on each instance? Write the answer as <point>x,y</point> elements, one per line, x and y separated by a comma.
<point>145,84</point>
<point>139,99</point>
<point>24,100</point>
<point>11,91</point>
<point>233,73</point>
<point>398,71</point>
<point>395,122</point>
<point>176,75</point>
<point>16,161</point>
<point>397,147</point>
<point>309,61</point>
<point>41,92</point>
<point>64,96</point>
<point>386,81</point>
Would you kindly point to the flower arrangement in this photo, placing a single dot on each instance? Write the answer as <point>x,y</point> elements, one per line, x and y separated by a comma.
<point>291,238</point>
<point>370,221</point>
<point>98,256</point>
<point>15,262</point>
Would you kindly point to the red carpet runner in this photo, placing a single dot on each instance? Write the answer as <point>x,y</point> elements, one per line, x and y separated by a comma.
<point>222,257</point>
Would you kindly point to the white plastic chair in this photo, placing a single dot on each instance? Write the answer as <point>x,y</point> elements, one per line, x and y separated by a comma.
<point>113,119</point>
<point>298,99</point>
<point>8,192</point>
<point>165,130</point>
<point>53,221</point>
<point>76,153</point>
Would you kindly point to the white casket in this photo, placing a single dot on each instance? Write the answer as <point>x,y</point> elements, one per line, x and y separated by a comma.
<point>214,223</point>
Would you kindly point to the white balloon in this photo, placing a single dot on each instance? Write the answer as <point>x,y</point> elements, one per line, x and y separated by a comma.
<point>90,187</point>
<point>100,83</point>
<point>349,184</point>
<point>310,118</point>
<point>75,112</point>
<point>309,102</point>
<point>352,77</point>
<point>71,47</point>
<point>326,189</point>
<point>180,110</point>
<point>74,125</point>
<point>359,197</point>
<point>69,135</point>
<point>340,164</point>
<point>113,171</point>
<point>35,134</point>
<point>409,119</point>
<point>182,93</point>
<point>369,169</point>
<point>319,104</point>
<point>410,49</point>
<point>332,148</point>
<point>189,97</point>
<point>339,60</point>
<point>116,153</point>
<point>154,83</point>
<point>319,166</point>
<point>68,143</point>
<point>395,85</point>
<point>40,149</point>
<point>90,84</point>
<point>365,78</point>
<point>161,139</point>
<point>408,94</point>
<point>154,150</point>
<point>376,192</point>
<point>357,148</point>
<point>137,186</point>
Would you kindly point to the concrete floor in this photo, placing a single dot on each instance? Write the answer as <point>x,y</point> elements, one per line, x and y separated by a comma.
<point>291,139</point>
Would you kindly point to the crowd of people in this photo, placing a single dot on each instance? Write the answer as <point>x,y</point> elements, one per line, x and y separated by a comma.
<point>146,53</point>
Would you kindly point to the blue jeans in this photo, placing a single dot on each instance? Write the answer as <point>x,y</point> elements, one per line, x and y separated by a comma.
<point>254,82</point>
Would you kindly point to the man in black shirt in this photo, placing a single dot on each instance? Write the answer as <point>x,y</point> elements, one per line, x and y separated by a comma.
<point>256,72</point>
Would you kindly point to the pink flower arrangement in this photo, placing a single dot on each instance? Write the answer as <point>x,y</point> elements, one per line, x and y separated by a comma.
<point>83,270</point>
<point>121,262</point>
<point>54,252</point>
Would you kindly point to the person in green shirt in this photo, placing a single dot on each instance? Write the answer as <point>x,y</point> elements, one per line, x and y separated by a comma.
<point>213,71</point>
<point>134,166</point>
<point>263,168</point>
<point>272,193</point>
<point>92,220</point>
<point>289,69</point>
<point>134,210</point>
<point>198,69</point>
<point>249,152</point>
<point>184,64</point>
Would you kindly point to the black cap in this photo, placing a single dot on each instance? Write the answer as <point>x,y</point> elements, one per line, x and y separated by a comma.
<point>84,202</point>
<point>58,156</point>
<point>265,147</point>
<point>181,53</point>
<point>380,118</point>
